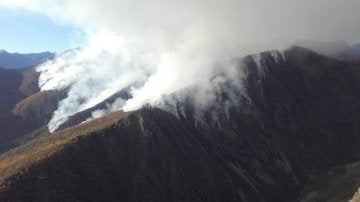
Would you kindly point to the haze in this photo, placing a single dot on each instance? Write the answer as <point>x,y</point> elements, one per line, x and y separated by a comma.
<point>166,46</point>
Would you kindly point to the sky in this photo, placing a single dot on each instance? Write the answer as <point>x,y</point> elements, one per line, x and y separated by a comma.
<point>59,25</point>
<point>25,31</point>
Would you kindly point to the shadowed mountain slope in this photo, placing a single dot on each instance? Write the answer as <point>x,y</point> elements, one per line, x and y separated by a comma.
<point>299,118</point>
<point>23,108</point>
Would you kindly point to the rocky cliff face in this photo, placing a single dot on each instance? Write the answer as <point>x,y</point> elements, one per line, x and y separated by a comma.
<point>299,117</point>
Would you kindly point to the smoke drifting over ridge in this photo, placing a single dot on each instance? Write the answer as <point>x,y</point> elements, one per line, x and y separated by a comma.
<point>156,48</point>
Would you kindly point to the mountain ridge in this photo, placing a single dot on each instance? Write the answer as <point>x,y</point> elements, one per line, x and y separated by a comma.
<point>297,121</point>
<point>19,60</point>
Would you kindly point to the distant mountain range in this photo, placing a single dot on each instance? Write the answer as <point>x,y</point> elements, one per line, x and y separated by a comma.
<point>300,120</point>
<point>353,53</point>
<point>18,60</point>
<point>338,49</point>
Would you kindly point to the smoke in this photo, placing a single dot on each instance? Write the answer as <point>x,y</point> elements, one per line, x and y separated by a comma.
<point>92,74</point>
<point>159,47</point>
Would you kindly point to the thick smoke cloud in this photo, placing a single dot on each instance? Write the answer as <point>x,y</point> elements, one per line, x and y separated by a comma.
<point>158,47</point>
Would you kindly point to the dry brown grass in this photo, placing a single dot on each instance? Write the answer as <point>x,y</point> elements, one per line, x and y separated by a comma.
<point>23,104</point>
<point>29,83</point>
<point>18,159</point>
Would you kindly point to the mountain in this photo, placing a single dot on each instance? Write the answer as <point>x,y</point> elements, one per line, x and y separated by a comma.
<point>337,184</point>
<point>352,53</point>
<point>355,49</point>
<point>24,109</point>
<point>330,49</point>
<point>18,60</point>
<point>339,50</point>
<point>299,120</point>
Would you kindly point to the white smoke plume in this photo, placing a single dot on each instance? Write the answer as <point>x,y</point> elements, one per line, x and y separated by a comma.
<point>157,47</point>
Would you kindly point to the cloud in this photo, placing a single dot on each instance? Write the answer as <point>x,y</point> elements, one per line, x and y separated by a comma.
<point>158,47</point>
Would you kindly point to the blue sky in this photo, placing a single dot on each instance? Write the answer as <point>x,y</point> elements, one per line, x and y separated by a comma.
<point>24,31</point>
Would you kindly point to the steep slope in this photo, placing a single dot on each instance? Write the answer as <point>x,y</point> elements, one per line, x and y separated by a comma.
<point>9,85</point>
<point>10,82</point>
<point>312,103</point>
<point>151,155</point>
<point>337,185</point>
<point>300,118</point>
<point>23,108</point>
<point>25,111</point>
